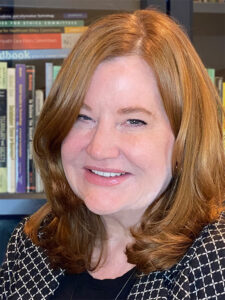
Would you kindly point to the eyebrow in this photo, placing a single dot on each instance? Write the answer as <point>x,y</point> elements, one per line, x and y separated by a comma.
<point>133,109</point>
<point>125,110</point>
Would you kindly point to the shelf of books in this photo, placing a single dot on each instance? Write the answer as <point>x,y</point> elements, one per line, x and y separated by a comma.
<point>34,40</point>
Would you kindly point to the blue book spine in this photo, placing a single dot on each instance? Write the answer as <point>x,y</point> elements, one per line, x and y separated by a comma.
<point>33,54</point>
<point>21,136</point>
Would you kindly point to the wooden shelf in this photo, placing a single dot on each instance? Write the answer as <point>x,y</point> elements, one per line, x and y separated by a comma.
<point>209,8</point>
<point>20,204</point>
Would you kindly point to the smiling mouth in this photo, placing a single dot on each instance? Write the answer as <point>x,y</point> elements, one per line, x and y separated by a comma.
<point>107,174</point>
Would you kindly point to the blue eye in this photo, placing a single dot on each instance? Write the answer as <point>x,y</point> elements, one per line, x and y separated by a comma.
<point>136,122</point>
<point>83,117</point>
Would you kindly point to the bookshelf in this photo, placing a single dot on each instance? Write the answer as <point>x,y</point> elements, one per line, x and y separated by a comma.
<point>12,204</point>
<point>208,27</point>
<point>208,30</point>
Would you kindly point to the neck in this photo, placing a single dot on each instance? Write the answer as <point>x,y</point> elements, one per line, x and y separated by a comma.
<point>118,237</point>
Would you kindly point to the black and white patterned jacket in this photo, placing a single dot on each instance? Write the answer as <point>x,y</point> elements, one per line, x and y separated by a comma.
<point>25,273</point>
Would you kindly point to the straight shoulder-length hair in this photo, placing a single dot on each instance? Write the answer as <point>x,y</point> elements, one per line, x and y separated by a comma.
<point>195,194</point>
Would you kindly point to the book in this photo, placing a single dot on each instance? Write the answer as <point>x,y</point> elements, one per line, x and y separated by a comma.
<point>41,23</point>
<point>30,100</point>
<point>11,130</point>
<point>68,40</point>
<point>3,127</point>
<point>219,85</point>
<point>30,41</point>
<point>26,30</point>
<point>39,102</point>
<point>21,136</point>
<point>34,13</point>
<point>56,70</point>
<point>48,77</point>
<point>33,54</point>
<point>75,29</point>
<point>211,72</point>
<point>38,40</point>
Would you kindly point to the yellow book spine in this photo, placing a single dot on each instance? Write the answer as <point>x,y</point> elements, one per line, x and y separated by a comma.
<point>75,29</point>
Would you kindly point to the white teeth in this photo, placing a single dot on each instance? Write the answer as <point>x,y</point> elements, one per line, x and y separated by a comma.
<point>106,174</point>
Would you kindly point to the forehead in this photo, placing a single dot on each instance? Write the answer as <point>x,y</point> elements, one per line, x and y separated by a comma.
<point>124,81</point>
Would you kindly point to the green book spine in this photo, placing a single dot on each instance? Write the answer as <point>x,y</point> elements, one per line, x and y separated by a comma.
<point>41,23</point>
<point>3,127</point>
<point>56,70</point>
<point>211,73</point>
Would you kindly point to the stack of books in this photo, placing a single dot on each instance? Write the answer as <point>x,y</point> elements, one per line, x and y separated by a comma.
<point>33,42</point>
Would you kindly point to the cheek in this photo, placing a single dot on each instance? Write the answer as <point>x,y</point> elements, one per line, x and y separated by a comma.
<point>71,147</point>
<point>153,154</point>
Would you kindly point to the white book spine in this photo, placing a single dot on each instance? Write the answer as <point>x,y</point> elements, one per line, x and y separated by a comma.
<point>11,129</point>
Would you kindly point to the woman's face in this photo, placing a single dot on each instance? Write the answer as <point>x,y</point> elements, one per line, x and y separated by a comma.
<point>117,155</point>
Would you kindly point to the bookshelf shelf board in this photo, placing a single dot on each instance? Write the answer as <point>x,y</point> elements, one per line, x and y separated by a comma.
<point>210,8</point>
<point>19,204</point>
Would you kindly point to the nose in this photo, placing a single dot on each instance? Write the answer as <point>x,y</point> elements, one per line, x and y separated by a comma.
<point>104,143</point>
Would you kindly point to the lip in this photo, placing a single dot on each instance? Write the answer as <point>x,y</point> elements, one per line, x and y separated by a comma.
<point>105,169</point>
<point>104,181</point>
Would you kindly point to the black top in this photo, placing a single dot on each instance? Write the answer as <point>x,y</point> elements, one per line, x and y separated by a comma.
<point>84,287</point>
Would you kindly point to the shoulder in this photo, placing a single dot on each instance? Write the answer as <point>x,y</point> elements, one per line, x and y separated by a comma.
<point>26,268</point>
<point>209,245</point>
<point>200,274</point>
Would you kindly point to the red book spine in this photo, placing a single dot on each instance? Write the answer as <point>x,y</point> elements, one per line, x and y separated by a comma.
<point>31,41</point>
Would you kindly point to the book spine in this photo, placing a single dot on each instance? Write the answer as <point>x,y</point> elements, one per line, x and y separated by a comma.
<point>75,29</point>
<point>21,140</point>
<point>26,13</point>
<point>40,23</point>
<point>39,102</point>
<point>3,127</point>
<point>211,73</point>
<point>11,130</point>
<point>56,70</point>
<point>8,55</point>
<point>48,77</point>
<point>30,95</point>
<point>69,39</point>
<point>30,41</point>
<point>30,30</point>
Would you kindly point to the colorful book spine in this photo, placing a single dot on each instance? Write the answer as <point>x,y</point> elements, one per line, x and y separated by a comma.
<point>75,29</point>
<point>40,23</point>
<point>26,13</point>
<point>21,137</point>
<point>38,41</point>
<point>33,54</point>
<point>11,130</point>
<point>211,73</point>
<point>48,77</point>
<point>30,95</point>
<point>26,30</point>
<point>56,70</point>
<point>39,102</point>
<point>30,41</point>
<point>3,127</point>
<point>68,40</point>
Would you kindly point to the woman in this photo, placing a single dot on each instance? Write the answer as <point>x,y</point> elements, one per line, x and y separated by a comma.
<point>129,146</point>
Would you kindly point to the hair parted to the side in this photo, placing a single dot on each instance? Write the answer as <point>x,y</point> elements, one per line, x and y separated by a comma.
<point>196,192</point>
